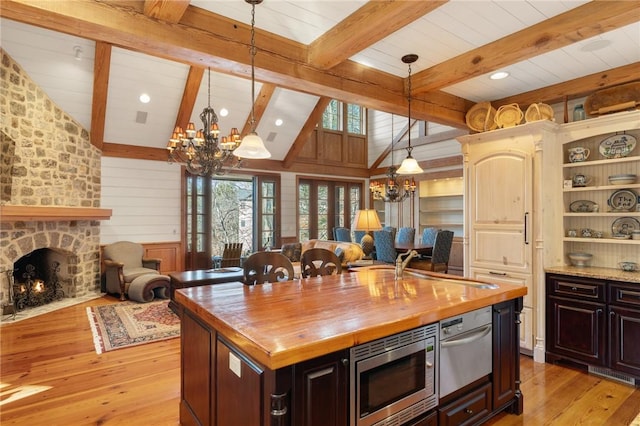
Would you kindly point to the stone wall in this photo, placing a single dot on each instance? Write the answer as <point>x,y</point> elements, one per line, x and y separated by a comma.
<point>48,160</point>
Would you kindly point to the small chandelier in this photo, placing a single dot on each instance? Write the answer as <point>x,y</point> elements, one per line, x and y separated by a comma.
<point>203,152</point>
<point>391,191</point>
<point>252,145</point>
<point>409,165</point>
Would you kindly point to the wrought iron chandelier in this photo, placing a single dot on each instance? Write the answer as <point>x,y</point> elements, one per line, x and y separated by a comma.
<point>202,151</point>
<point>391,191</point>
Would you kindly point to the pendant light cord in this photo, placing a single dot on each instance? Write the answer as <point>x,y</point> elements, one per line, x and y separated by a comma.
<point>253,73</point>
<point>409,148</point>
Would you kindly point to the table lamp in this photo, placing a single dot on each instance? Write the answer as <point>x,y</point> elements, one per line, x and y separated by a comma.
<point>367,220</point>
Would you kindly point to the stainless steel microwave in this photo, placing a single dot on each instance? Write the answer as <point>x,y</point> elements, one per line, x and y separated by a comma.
<point>394,379</point>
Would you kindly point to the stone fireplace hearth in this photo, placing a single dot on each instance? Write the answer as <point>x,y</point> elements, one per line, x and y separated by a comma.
<point>49,185</point>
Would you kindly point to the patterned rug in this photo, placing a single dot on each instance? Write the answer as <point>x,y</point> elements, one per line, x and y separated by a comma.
<point>130,324</point>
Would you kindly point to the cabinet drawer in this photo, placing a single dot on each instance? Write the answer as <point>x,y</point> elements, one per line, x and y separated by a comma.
<point>580,288</point>
<point>468,409</point>
<point>624,294</point>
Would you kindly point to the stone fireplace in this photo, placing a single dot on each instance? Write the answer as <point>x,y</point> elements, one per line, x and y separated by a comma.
<point>49,185</point>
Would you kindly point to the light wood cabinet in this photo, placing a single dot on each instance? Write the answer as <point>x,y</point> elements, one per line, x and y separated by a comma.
<point>507,174</point>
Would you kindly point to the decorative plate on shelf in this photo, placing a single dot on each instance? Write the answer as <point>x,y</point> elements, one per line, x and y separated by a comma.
<point>617,146</point>
<point>623,200</point>
<point>582,206</point>
<point>625,225</point>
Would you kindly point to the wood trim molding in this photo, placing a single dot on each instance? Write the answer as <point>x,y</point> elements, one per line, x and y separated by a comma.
<point>52,213</point>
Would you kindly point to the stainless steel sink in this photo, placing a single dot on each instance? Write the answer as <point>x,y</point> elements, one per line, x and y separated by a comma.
<point>487,286</point>
<point>474,284</point>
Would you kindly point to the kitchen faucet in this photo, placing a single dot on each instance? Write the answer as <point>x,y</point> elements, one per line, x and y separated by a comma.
<point>400,265</point>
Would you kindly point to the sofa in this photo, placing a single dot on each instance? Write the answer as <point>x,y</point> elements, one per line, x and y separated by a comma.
<point>346,252</point>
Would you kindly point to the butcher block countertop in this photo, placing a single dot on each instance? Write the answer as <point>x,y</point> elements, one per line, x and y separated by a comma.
<point>285,323</point>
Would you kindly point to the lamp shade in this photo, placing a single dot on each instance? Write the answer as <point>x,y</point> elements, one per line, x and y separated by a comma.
<point>252,147</point>
<point>409,166</point>
<point>367,220</point>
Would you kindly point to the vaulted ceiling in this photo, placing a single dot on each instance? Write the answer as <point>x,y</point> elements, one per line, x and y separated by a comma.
<point>307,52</point>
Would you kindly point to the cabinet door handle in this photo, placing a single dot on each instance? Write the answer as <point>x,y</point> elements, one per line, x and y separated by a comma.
<point>612,314</point>
<point>599,311</point>
<point>526,223</point>
<point>504,274</point>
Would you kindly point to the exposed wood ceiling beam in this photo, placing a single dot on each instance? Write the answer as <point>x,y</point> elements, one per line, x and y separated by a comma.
<point>304,134</point>
<point>585,21</point>
<point>575,88</point>
<point>189,95</point>
<point>101,69</point>
<point>259,107</point>
<point>167,10</point>
<point>371,23</point>
<point>278,61</point>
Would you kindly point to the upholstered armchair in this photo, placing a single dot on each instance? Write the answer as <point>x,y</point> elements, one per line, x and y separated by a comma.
<point>124,263</point>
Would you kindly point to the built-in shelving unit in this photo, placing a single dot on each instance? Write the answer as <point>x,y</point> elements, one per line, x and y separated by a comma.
<point>442,204</point>
<point>607,251</point>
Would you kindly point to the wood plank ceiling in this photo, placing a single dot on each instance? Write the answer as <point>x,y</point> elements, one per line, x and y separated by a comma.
<point>331,65</point>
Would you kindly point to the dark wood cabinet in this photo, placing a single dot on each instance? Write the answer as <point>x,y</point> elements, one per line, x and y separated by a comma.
<point>506,362</point>
<point>469,409</point>
<point>594,323</point>
<point>242,381</point>
<point>624,327</point>
<point>576,320</point>
<point>197,403</point>
<point>321,386</point>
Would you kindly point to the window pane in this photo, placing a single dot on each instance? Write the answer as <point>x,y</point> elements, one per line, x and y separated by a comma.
<point>331,118</point>
<point>355,122</point>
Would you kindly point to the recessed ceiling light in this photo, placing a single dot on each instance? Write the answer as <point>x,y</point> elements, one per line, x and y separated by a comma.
<point>279,122</point>
<point>144,98</point>
<point>592,46</point>
<point>224,112</point>
<point>499,75</point>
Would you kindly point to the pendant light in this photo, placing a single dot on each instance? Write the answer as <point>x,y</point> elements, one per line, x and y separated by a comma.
<point>252,145</point>
<point>409,165</point>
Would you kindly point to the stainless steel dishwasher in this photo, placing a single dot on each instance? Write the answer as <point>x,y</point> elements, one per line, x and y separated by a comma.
<point>465,349</point>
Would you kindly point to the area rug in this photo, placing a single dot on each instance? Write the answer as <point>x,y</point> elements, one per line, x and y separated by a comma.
<point>129,324</point>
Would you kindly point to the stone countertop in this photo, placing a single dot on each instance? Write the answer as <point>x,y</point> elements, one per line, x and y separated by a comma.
<point>596,272</point>
<point>285,323</point>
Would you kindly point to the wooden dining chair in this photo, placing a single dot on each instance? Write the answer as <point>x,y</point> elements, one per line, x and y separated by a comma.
<point>318,262</point>
<point>267,267</point>
<point>231,255</point>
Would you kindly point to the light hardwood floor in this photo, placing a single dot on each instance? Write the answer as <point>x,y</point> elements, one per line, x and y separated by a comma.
<point>51,375</point>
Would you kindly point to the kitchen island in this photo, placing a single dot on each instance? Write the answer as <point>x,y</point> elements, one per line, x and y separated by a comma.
<point>279,354</point>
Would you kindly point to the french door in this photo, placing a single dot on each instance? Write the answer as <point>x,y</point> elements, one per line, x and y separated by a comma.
<point>228,210</point>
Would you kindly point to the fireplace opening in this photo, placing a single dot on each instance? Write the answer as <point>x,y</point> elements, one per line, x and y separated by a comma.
<point>38,278</point>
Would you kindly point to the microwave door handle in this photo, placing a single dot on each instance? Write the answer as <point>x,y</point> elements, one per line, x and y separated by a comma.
<point>477,335</point>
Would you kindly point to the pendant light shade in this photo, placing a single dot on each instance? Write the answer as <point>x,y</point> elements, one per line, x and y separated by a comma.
<point>409,166</point>
<point>252,147</point>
